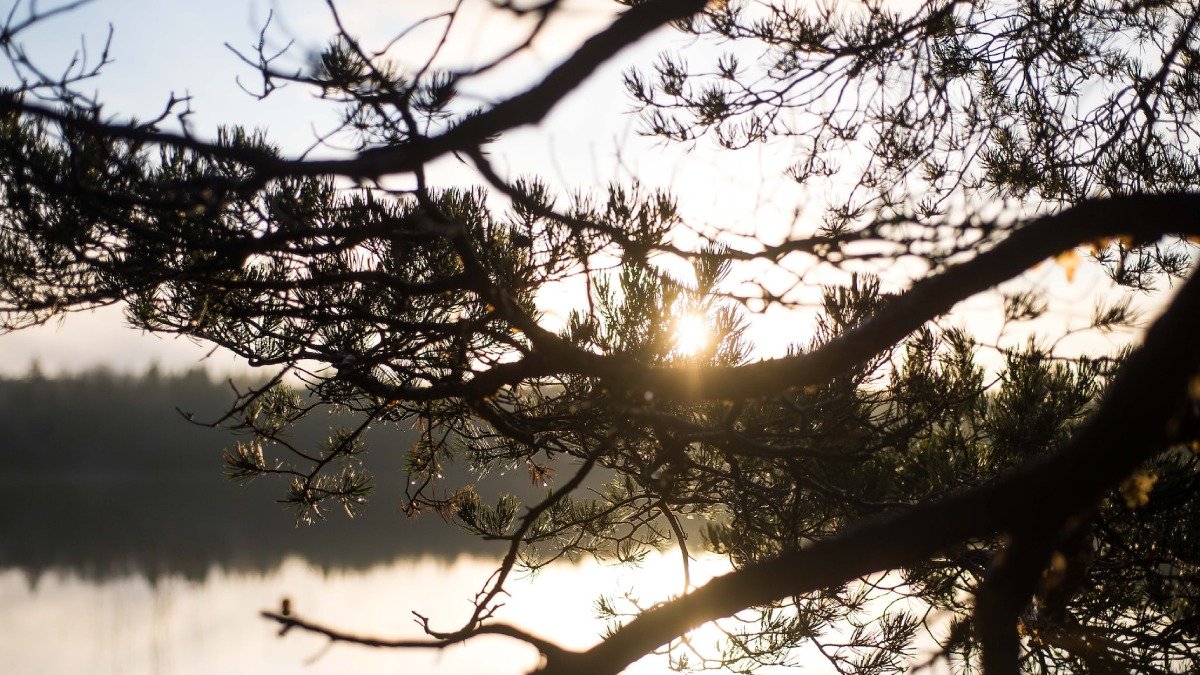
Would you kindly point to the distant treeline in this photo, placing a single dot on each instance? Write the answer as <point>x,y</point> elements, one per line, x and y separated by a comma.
<point>102,475</point>
<point>102,423</point>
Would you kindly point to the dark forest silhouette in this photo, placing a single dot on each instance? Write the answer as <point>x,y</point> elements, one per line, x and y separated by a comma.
<point>102,476</point>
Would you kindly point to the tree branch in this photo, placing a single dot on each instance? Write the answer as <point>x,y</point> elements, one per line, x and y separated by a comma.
<point>526,108</point>
<point>1143,217</point>
<point>288,621</point>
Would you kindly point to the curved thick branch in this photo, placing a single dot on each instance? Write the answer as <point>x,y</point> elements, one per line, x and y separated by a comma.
<point>529,107</point>
<point>1145,218</point>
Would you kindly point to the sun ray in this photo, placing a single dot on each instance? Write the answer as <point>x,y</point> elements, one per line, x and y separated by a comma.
<point>691,334</point>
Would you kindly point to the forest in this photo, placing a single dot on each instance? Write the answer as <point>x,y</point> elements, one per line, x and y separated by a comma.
<point>103,476</point>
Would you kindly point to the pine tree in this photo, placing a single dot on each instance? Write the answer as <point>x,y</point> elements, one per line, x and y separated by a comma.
<point>877,484</point>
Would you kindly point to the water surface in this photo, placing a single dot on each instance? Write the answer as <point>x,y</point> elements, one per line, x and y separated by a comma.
<point>63,624</point>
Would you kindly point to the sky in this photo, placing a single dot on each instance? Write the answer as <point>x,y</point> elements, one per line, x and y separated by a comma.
<point>179,46</point>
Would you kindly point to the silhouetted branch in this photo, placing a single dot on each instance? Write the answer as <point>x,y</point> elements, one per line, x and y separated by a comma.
<point>1142,217</point>
<point>529,107</point>
<point>288,621</point>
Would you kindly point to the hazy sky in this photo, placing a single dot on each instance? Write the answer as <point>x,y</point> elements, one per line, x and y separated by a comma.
<point>588,140</point>
<point>179,46</point>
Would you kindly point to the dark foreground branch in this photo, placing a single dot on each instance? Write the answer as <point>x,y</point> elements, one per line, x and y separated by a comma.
<point>528,107</point>
<point>1144,218</point>
<point>288,621</point>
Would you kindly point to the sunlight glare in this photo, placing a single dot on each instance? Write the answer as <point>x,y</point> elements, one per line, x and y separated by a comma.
<point>691,334</point>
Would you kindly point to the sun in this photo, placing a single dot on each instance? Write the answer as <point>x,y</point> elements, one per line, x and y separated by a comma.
<point>691,334</point>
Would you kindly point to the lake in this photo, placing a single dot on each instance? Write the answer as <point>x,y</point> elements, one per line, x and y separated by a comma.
<point>61,623</point>
<point>134,575</point>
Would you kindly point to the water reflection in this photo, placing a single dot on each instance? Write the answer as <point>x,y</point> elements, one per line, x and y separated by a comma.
<point>123,574</point>
<point>66,624</point>
<point>110,526</point>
